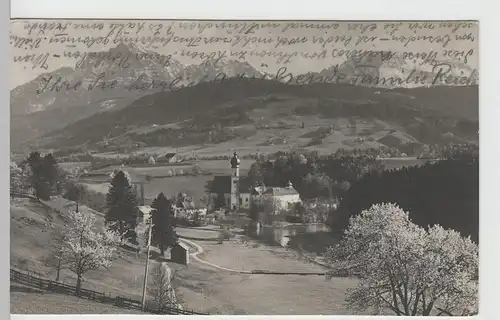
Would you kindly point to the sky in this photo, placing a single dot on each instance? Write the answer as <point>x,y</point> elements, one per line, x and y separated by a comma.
<point>433,36</point>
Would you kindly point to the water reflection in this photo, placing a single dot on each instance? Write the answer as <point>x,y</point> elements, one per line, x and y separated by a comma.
<point>280,235</point>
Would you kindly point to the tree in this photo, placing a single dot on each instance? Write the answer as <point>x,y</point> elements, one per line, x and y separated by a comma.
<point>16,178</point>
<point>317,185</point>
<point>51,172</point>
<point>163,233</point>
<point>122,204</point>
<point>85,249</point>
<point>55,259</point>
<point>38,180</point>
<point>271,208</point>
<point>75,192</point>
<point>162,289</point>
<point>255,175</point>
<point>220,201</point>
<point>179,200</point>
<point>444,193</point>
<point>405,268</point>
<point>256,211</point>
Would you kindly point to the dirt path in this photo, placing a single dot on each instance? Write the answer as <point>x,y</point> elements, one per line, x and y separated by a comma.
<point>199,250</point>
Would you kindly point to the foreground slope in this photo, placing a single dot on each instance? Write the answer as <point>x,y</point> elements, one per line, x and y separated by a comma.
<point>200,287</point>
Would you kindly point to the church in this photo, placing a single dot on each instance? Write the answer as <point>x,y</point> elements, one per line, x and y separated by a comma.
<point>238,192</point>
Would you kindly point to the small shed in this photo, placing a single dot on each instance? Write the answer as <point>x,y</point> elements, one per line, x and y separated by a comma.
<point>180,253</point>
<point>145,213</point>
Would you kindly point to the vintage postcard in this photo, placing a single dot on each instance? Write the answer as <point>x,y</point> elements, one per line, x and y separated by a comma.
<point>244,167</point>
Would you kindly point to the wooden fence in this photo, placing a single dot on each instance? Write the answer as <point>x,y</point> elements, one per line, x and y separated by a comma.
<point>61,288</point>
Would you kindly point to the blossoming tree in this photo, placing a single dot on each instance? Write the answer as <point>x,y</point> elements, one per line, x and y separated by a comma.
<point>86,249</point>
<point>404,268</point>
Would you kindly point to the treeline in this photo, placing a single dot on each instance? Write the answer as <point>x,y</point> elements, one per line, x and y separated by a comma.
<point>38,175</point>
<point>445,193</point>
<point>313,175</point>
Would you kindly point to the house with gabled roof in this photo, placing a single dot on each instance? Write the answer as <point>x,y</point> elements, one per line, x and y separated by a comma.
<point>285,196</point>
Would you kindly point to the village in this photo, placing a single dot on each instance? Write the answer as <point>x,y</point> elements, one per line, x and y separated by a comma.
<point>231,198</point>
<point>221,233</point>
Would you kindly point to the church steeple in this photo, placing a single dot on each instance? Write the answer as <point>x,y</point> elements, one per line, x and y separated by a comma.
<point>235,181</point>
<point>235,161</point>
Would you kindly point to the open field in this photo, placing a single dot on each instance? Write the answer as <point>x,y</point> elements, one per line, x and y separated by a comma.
<point>192,185</point>
<point>222,167</point>
<point>153,171</point>
<point>231,293</point>
<point>170,186</point>
<point>223,292</point>
<point>69,166</point>
<point>254,256</point>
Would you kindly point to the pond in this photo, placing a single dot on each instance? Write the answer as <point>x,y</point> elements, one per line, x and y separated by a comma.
<point>281,235</point>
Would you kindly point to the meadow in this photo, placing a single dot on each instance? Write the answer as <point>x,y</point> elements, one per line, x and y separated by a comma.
<point>193,185</point>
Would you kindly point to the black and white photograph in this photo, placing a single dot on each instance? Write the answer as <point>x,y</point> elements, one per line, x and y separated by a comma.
<point>244,167</point>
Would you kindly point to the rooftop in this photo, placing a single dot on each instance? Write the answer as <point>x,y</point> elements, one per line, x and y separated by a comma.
<point>278,191</point>
<point>222,184</point>
<point>145,209</point>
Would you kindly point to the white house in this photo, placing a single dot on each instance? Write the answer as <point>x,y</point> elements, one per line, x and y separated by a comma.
<point>285,197</point>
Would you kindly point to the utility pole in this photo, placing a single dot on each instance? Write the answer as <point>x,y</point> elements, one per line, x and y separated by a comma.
<point>202,298</point>
<point>143,305</point>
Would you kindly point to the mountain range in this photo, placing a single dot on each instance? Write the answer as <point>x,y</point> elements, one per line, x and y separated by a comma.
<point>143,79</point>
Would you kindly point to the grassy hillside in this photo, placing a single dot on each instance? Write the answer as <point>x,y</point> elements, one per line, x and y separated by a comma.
<point>24,301</point>
<point>266,113</point>
<point>30,239</point>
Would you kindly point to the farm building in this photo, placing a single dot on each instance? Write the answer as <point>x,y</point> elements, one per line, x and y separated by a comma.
<point>179,253</point>
<point>145,213</point>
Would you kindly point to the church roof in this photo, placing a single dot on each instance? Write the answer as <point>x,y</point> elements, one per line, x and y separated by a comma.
<point>222,184</point>
<point>279,191</point>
